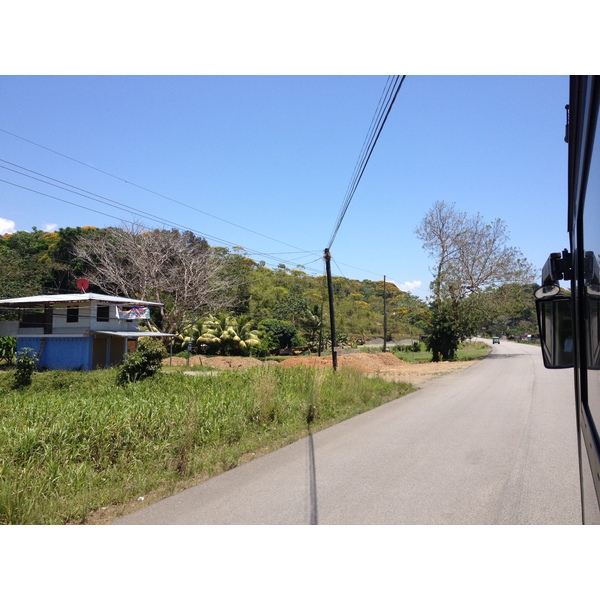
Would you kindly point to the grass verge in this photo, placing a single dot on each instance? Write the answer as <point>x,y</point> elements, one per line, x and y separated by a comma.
<point>77,448</point>
<point>466,351</point>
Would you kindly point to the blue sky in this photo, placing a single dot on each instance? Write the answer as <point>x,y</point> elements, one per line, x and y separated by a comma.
<point>264,162</point>
<point>275,155</point>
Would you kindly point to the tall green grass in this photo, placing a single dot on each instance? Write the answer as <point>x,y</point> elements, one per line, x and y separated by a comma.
<point>72,443</point>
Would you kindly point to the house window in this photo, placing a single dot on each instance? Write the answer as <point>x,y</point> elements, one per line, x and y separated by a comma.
<point>102,315</point>
<point>72,315</point>
<point>32,318</point>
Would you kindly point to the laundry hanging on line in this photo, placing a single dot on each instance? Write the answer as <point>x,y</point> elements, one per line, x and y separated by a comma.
<point>134,312</point>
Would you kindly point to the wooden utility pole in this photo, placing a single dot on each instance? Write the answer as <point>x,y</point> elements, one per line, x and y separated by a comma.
<point>327,257</point>
<point>384,319</point>
<point>321,331</point>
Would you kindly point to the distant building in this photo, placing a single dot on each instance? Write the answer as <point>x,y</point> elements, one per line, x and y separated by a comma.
<point>77,331</point>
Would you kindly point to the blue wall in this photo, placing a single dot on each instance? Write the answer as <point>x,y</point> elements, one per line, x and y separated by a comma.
<point>61,353</point>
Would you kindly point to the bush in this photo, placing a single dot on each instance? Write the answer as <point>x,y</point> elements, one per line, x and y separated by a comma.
<point>282,333</point>
<point>414,347</point>
<point>266,346</point>
<point>144,362</point>
<point>27,362</point>
<point>445,331</point>
<point>8,346</point>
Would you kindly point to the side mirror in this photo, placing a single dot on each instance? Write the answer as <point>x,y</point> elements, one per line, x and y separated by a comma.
<point>555,322</point>
<point>593,323</point>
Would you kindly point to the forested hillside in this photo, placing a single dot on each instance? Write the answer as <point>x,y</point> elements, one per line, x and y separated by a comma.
<point>212,292</point>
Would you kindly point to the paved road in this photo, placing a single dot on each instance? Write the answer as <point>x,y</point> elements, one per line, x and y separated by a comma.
<point>493,444</point>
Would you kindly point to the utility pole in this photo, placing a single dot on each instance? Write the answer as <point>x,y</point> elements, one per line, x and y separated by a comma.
<point>327,257</point>
<point>384,319</point>
<point>321,331</point>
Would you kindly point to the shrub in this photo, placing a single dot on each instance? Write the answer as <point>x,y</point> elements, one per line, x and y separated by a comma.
<point>144,362</point>
<point>267,345</point>
<point>414,347</point>
<point>27,362</point>
<point>8,346</point>
<point>282,333</point>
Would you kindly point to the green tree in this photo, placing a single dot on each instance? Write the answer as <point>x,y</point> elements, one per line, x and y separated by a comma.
<point>409,312</point>
<point>310,325</point>
<point>36,262</point>
<point>228,335</point>
<point>509,310</point>
<point>63,265</point>
<point>236,266</point>
<point>19,275</point>
<point>280,331</point>
<point>8,348</point>
<point>469,256</point>
<point>443,333</point>
<point>187,335</point>
<point>22,270</point>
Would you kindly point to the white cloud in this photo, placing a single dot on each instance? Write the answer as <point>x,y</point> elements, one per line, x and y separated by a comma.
<point>7,226</point>
<point>410,286</point>
<point>50,227</point>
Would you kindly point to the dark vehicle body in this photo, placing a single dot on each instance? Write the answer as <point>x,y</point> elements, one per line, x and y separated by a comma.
<point>569,320</point>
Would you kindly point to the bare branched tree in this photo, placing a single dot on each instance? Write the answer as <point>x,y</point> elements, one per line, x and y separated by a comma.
<point>470,256</point>
<point>180,270</point>
<point>442,231</point>
<point>469,253</point>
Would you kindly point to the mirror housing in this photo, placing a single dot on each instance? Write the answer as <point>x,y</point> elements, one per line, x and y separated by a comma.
<point>555,322</point>
<point>555,312</point>
<point>593,326</point>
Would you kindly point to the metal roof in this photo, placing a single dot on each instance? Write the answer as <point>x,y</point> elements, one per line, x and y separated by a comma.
<point>73,298</point>
<point>135,334</point>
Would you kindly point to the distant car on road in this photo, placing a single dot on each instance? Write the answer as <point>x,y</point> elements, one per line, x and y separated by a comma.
<point>495,340</point>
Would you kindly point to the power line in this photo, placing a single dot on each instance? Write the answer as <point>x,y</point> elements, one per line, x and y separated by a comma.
<point>121,206</point>
<point>145,189</point>
<point>115,204</point>
<point>385,104</point>
<point>338,266</point>
<point>299,260</point>
<point>144,215</point>
<point>383,110</point>
<point>357,269</point>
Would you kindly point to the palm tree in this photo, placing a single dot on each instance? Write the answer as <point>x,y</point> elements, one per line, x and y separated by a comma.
<point>224,334</point>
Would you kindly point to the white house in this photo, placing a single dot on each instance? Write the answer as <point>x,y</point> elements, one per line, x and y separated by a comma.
<point>77,331</point>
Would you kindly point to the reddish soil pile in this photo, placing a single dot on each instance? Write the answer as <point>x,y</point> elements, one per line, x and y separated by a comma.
<point>361,361</point>
<point>379,364</point>
<point>222,363</point>
<point>383,364</point>
<point>216,362</point>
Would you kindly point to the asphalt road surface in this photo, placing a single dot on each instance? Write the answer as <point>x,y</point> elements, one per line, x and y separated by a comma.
<point>493,444</point>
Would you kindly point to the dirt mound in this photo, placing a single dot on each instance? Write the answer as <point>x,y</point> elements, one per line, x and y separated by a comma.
<point>379,364</point>
<point>366,363</point>
<point>383,364</point>
<point>222,363</point>
<point>361,361</point>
